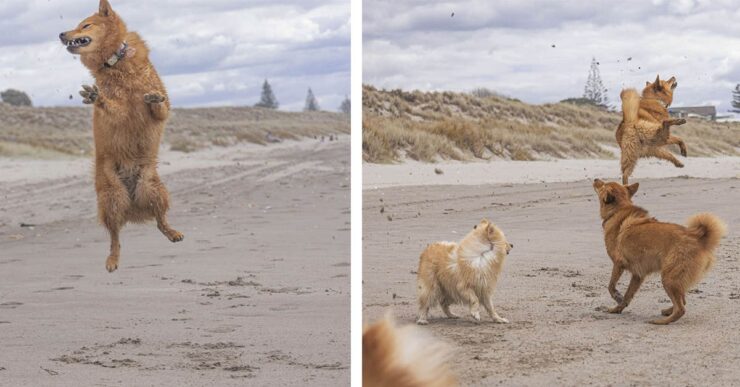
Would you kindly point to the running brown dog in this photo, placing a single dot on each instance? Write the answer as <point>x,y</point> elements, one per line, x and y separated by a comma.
<point>640,244</point>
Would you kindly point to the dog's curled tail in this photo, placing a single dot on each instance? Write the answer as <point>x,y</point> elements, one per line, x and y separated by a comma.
<point>403,356</point>
<point>708,228</point>
<point>630,105</point>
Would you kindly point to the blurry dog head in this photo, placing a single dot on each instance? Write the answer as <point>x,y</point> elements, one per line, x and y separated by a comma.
<point>403,356</point>
<point>487,232</point>
<point>613,195</point>
<point>101,33</point>
<point>660,90</point>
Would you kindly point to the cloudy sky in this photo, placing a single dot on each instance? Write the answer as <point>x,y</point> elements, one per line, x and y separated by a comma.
<point>214,52</point>
<point>507,46</point>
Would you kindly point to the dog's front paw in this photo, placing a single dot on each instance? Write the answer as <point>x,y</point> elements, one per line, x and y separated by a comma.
<point>476,315</point>
<point>683,152</point>
<point>422,321</point>
<point>89,94</point>
<point>679,121</point>
<point>153,98</point>
<point>500,320</point>
<point>679,165</point>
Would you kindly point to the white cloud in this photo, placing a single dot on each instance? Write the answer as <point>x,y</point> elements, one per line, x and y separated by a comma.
<point>208,52</point>
<point>507,46</point>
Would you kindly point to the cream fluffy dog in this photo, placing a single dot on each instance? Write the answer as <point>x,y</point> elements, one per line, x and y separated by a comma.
<point>463,273</point>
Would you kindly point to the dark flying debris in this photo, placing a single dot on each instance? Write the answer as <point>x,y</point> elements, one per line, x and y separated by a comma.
<point>553,46</point>
<point>452,15</point>
<point>629,59</point>
<point>71,97</point>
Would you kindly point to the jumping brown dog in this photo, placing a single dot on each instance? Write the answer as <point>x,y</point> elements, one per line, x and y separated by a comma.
<point>130,111</point>
<point>645,126</point>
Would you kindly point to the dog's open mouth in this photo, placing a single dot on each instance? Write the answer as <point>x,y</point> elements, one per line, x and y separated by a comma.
<point>78,43</point>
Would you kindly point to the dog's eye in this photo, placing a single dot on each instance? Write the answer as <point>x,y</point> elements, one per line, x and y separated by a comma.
<point>86,26</point>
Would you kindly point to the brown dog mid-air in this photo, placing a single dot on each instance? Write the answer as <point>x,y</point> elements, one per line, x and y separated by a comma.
<point>640,244</point>
<point>130,111</point>
<point>645,126</point>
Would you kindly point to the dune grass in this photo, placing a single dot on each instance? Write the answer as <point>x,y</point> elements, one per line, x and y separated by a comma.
<point>66,130</point>
<point>431,126</point>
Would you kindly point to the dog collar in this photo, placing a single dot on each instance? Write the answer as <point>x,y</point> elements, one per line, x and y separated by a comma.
<point>115,58</point>
<point>663,104</point>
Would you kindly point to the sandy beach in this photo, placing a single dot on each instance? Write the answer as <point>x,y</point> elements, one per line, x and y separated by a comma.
<point>554,284</point>
<point>257,293</point>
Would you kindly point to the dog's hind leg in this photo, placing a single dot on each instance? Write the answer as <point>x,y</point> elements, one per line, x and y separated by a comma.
<point>113,204</point>
<point>664,154</point>
<point>628,160</point>
<point>634,285</point>
<point>488,304</point>
<point>427,299</point>
<point>617,271</point>
<point>678,141</point>
<point>151,194</point>
<point>677,296</point>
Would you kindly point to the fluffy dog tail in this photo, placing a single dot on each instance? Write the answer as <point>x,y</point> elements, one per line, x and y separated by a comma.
<point>708,228</point>
<point>630,105</point>
<point>393,356</point>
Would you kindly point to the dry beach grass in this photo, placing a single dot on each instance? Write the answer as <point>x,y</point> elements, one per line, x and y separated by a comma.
<point>52,131</point>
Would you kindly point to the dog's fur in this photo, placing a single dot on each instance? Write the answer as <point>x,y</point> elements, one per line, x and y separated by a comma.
<point>645,126</point>
<point>464,272</point>
<point>130,111</point>
<point>403,357</point>
<point>640,244</point>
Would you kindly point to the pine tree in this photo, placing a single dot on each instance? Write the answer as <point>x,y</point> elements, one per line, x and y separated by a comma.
<point>346,106</point>
<point>312,105</point>
<point>736,99</point>
<point>267,100</point>
<point>595,90</point>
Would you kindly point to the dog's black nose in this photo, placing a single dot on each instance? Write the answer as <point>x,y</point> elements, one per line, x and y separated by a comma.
<point>61,36</point>
<point>512,245</point>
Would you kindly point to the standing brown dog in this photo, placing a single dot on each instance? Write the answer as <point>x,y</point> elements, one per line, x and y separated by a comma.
<point>638,243</point>
<point>130,111</point>
<point>645,126</point>
<point>464,273</point>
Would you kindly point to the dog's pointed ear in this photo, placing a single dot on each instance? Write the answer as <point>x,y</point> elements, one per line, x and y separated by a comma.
<point>647,83</point>
<point>657,84</point>
<point>673,83</point>
<point>105,9</point>
<point>632,188</point>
